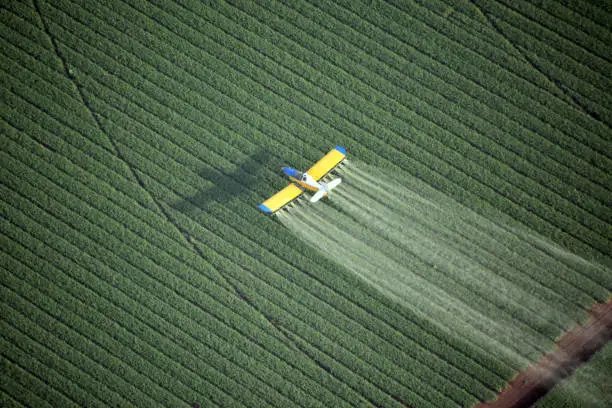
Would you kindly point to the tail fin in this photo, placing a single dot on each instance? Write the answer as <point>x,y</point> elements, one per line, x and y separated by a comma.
<point>325,188</point>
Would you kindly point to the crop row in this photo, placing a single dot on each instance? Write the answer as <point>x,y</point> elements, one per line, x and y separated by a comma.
<point>167,364</point>
<point>470,29</point>
<point>66,107</point>
<point>236,46</point>
<point>47,320</point>
<point>555,65</point>
<point>185,275</point>
<point>34,358</point>
<point>25,387</point>
<point>588,65</point>
<point>400,111</point>
<point>584,53</point>
<point>596,13</point>
<point>82,210</point>
<point>572,24</point>
<point>519,69</point>
<point>511,256</point>
<point>83,310</point>
<point>77,381</point>
<point>21,24</point>
<point>188,94</point>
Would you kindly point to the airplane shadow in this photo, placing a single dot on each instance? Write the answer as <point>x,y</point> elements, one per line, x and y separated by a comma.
<point>228,188</point>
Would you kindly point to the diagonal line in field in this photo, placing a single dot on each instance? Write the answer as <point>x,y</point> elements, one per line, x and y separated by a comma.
<point>525,56</point>
<point>83,97</point>
<point>157,204</point>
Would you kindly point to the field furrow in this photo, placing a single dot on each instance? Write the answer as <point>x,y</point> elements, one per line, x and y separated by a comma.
<point>471,229</point>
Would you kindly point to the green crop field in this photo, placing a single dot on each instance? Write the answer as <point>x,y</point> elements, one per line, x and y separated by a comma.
<point>588,387</point>
<point>138,137</point>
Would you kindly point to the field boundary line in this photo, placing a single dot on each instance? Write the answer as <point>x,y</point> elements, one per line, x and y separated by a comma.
<point>66,68</point>
<point>52,291</point>
<point>572,349</point>
<point>146,324</point>
<point>158,204</point>
<point>445,129</point>
<point>561,129</point>
<point>530,196</point>
<point>568,96</point>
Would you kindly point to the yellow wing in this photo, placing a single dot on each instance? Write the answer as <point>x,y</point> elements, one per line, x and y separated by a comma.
<point>280,199</point>
<point>327,163</point>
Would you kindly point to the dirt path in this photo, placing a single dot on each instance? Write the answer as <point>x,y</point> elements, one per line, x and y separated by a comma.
<point>572,350</point>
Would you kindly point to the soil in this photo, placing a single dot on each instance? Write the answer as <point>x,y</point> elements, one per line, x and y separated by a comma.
<point>572,349</point>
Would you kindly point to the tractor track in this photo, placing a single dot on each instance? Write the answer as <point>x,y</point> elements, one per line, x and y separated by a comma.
<point>573,349</point>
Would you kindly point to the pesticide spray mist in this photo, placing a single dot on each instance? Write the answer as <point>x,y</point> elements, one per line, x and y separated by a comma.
<point>465,273</point>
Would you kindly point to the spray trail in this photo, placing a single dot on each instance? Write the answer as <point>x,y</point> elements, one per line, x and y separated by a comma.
<point>448,264</point>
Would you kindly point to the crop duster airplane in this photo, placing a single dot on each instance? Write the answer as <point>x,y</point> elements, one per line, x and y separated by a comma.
<point>309,180</point>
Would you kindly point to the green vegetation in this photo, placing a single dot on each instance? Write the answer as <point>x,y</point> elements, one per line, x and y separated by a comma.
<point>137,138</point>
<point>589,386</point>
<point>447,263</point>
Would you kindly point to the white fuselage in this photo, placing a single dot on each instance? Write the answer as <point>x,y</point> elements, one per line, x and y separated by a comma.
<point>308,182</point>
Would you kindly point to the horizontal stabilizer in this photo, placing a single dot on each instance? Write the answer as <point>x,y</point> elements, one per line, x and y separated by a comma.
<point>325,189</point>
<point>317,195</point>
<point>334,183</point>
